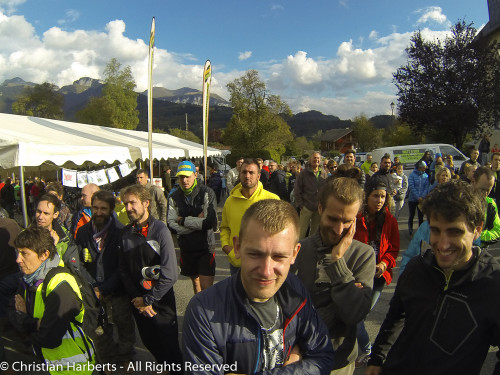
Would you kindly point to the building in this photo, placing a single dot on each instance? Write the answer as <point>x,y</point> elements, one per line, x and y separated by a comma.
<point>339,140</point>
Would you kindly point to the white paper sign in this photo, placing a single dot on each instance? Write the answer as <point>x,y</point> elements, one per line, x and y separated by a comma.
<point>81,178</point>
<point>69,177</point>
<point>101,178</point>
<point>112,174</point>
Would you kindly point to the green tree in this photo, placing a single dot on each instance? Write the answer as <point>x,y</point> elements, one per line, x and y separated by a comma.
<point>258,117</point>
<point>401,134</point>
<point>40,101</point>
<point>185,134</point>
<point>298,145</point>
<point>117,107</point>
<point>366,134</point>
<point>449,88</point>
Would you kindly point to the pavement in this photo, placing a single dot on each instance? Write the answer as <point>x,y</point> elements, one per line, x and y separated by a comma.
<point>17,352</point>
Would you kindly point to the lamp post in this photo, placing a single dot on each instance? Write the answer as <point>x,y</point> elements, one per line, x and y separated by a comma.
<point>392,108</point>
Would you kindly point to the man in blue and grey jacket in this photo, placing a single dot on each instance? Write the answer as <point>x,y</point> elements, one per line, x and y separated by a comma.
<point>261,320</point>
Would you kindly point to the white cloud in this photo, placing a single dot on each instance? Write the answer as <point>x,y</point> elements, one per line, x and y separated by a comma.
<point>71,15</point>
<point>244,55</point>
<point>432,14</point>
<point>277,7</point>
<point>352,81</point>
<point>9,6</point>
<point>373,34</point>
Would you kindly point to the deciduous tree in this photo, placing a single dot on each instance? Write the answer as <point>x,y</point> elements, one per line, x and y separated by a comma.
<point>449,88</point>
<point>40,101</point>
<point>258,117</point>
<point>118,105</point>
<point>366,134</point>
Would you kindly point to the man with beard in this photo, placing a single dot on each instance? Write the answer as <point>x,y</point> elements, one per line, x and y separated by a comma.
<point>495,168</point>
<point>158,205</point>
<point>443,317</point>
<point>337,270</point>
<point>148,268</point>
<point>100,246</point>
<point>246,193</point>
<point>384,174</point>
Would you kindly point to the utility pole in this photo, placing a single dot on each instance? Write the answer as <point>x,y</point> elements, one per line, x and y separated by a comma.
<point>186,122</point>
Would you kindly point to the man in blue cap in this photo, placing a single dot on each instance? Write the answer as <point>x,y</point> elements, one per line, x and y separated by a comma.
<point>192,215</point>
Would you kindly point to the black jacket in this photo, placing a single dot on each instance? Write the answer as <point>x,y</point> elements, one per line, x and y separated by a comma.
<point>101,266</point>
<point>155,249</point>
<point>194,233</point>
<point>221,328</point>
<point>277,184</point>
<point>440,326</point>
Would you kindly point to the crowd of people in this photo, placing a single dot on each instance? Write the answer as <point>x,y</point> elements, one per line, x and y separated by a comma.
<point>310,247</point>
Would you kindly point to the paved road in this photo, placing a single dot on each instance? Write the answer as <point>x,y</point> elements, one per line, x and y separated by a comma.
<point>15,351</point>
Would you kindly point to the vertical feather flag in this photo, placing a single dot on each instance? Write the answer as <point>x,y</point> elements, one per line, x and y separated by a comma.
<point>150,97</point>
<point>207,79</point>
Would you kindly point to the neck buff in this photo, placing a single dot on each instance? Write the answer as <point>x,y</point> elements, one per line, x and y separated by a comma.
<point>190,190</point>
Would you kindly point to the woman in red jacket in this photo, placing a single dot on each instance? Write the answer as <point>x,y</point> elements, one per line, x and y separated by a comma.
<point>376,227</point>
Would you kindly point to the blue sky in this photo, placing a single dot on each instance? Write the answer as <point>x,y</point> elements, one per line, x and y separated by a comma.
<point>334,56</point>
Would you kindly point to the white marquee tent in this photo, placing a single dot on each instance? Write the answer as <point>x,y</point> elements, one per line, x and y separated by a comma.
<point>30,141</point>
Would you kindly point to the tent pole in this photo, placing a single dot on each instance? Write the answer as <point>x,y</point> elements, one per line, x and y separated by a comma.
<point>23,196</point>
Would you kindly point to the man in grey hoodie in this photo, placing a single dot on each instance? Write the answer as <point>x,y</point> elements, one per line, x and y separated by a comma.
<point>337,270</point>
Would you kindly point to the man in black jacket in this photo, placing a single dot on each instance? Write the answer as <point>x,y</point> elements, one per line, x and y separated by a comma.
<point>443,317</point>
<point>148,267</point>
<point>192,215</point>
<point>99,246</point>
<point>277,181</point>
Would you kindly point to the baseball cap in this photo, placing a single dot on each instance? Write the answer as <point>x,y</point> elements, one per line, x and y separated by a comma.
<point>421,164</point>
<point>185,168</point>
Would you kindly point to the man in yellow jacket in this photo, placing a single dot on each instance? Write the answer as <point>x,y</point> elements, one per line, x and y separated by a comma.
<point>242,196</point>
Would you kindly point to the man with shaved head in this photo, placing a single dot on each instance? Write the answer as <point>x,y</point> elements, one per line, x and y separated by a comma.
<point>83,216</point>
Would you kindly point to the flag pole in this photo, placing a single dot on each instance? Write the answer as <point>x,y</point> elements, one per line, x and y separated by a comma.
<point>207,79</point>
<point>150,97</point>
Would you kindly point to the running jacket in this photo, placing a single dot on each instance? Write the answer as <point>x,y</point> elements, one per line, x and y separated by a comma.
<point>439,325</point>
<point>221,328</point>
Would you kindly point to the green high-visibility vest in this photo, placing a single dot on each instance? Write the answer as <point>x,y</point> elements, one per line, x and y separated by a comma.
<point>75,355</point>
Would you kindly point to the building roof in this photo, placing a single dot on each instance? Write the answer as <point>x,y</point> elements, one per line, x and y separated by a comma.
<point>335,134</point>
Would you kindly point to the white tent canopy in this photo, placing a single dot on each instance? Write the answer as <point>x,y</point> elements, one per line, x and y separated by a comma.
<point>29,141</point>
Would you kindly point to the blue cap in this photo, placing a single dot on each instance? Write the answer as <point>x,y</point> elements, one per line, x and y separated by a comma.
<point>185,168</point>
<point>438,155</point>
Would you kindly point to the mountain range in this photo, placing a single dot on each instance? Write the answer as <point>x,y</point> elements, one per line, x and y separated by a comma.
<point>171,107</point>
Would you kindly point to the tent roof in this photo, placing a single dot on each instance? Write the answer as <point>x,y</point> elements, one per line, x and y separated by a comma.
<point>29,141</point>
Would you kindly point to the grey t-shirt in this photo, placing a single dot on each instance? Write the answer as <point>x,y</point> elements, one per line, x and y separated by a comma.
<point>270,319</point>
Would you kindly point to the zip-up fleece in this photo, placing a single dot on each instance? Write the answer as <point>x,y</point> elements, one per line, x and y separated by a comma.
<point>439,325</point>
<point>221,328</point>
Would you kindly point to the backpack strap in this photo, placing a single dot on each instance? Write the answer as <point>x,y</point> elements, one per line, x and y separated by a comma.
<point>54,271</point>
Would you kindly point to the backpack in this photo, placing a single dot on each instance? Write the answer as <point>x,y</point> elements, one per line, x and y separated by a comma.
<point>94,319</point>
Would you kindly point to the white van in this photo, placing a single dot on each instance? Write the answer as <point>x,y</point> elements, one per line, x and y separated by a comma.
<point>410,154</point>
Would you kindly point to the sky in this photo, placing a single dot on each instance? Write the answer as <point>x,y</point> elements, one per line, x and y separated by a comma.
<point>333,56</point>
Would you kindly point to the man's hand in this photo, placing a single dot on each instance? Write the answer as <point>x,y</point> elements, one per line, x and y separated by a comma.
<point>201,215</point>
<point>148,311</point>
<point>373,370</point>
<point>98,293</point>
<point>179,219</point>
<point>227,249</point>
<point>143,309</point>
<point>380,269</point>
<point>294,356</point>
<point>55,236</point>
<point>20,303</point>
<point>339,250</point>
